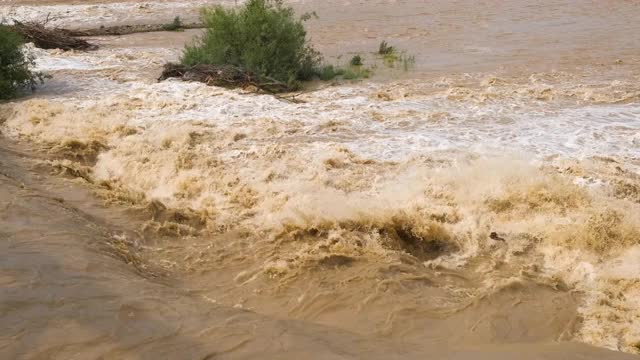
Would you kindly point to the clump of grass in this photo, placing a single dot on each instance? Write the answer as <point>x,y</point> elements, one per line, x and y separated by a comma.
<point>262,37</point>
<point>15,66</point>
<point>330,72</point>
<point>356,61</point>
<point>176,25</point>
<point>356,72</point>
<point>393,58</point>
<point>407,61</point>
<point>385,48</point>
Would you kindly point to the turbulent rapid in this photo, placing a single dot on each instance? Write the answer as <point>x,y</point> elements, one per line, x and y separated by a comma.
<point>466,212</point>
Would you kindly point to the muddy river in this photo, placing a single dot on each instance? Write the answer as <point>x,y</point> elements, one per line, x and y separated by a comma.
<point>483,204</point>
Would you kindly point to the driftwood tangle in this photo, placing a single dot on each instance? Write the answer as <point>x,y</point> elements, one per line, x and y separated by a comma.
<point>50,38</point>
<point>128,29</point>
<point>228,76</point>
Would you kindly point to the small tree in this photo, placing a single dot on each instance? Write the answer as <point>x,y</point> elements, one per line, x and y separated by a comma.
<point>15,65</point>
<point>263,37</point>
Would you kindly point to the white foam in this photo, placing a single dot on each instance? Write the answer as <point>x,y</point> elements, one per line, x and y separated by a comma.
<point>395,130</point>
<point>566,132</point>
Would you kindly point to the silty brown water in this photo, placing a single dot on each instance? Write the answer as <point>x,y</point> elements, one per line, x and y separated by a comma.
<point>484,205</point>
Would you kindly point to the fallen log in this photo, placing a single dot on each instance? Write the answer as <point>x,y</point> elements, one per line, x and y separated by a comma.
<point>128,29</point>
<point>228,76</point>
<point>50,38</point>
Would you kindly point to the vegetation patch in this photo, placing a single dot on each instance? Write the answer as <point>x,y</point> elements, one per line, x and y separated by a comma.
<point>393,58</point>
<point>329,72</point>
<point>261,44</point>
<point>175,25</point>
<point>356,72</point>
<point>15,66</point>
<point>262,38</point>
<point>386,49</point>
<point>356,61</point>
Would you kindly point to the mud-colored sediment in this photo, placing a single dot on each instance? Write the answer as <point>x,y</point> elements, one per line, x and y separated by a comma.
<point>75,284</point>
<point>486,206</point>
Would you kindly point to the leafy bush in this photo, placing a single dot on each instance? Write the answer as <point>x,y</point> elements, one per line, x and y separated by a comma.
<point>386,49</point>
<point>176,25</point>
<point>356,72</point>
<point>391,57</point>
<point>15,65</point>
<point>330,72</point>
<point>353,72</point>
<point>263,37</point>
<point>356,61</point>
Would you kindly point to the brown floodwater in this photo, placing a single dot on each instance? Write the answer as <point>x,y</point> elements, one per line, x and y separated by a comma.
<point>75,284</point>
<point>483,203</point>
<point>461,36</point>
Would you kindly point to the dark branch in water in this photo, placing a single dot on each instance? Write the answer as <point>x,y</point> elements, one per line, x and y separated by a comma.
<point>129,29</point>
<point>45,37</point>
<point>494,236</point>
<point>49,38</point>
<point>228,76</point>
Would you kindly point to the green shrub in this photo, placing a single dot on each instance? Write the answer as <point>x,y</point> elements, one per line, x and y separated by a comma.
<point>263,37</point>
<point>391,57</point>
<point>176,25</point>
<point>330,72</point>
<point>356,61</point>
<point>15,65</point>
<point>386,49</point>
<point>354,73</point>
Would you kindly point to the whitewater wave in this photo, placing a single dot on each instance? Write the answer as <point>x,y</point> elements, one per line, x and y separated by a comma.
<point>467,188</point>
